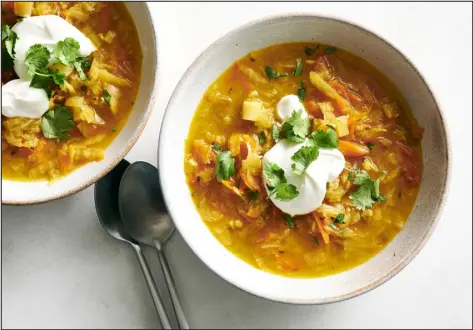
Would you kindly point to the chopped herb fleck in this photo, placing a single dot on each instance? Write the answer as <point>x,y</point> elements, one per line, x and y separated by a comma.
<point>272,74</point>
<point>289,220</point>
<point>330,50</point>
<point>262,138</point>
<point>299,68</point>
<point>339,218</point>
<point>370,145</point>
<point>252,195</point>
<point>301,91</point>
<point>225,165</point>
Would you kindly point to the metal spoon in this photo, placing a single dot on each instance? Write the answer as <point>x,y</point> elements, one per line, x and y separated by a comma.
<point>145,216</point>
<point>106,204</point>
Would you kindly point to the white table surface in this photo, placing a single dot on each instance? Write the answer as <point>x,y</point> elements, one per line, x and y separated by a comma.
<point>60,269</point>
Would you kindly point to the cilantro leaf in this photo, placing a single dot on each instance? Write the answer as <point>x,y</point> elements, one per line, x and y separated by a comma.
<point>296,128</point>
<point>330,50</point>
<point>37,59</point>
<point>262,138</point>
<point>58,77</point>
<point>67,51</point>
<point>315,240</point>
<point>56,123</point>
<point>285,191</point>
<point>301,91</point>
<point>274,175</point>
<point>42,82</point>
<point>371,145</point>
<point>9,39</point>
<point>272,74</point>
<point>299,68</point>
<point>289,220</point>
<point>252,195</point>
<point>367,193</point>
<point>106,96</point>
<point>277,183</point>
<point>309,51</point>
<point>303,158</point>
<point>275,133</point>
<point>82,64</point>
<point>324,139</point>
<point>339,218</point>
<point>7,61</point>
<point>216,148</point>
<point>225,165</point>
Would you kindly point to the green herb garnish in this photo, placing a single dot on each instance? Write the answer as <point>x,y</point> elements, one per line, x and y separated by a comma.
<point>303,158</point>
<point>106,96</point>
<point>324,139</point>
<point>299,68</point>
<point>301,91</point>
<point>277,183</point>
<point>37,60</point>
<point>296,128</point>
<point>272,74</point>
<point>225,165</point>
<point>252,195</point>
<point>330,50</point>
<point>9,39</point>
<point>289,220</point>
<point>310,51</point>
<point>368,191</point>
<point>315,240</point>
<point>56,123</point>
<point>262,138</point>
<point>216,148</point>
<point>67,51</point>
<point>58,77</point>
<point>339,218</point>
<point>370,145</point>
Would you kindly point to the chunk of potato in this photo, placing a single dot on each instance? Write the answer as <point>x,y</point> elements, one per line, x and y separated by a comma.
<point>23,9</point>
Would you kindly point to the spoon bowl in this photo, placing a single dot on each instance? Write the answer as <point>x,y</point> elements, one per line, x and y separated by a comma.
<point>106,203</point>
<point>141,205</point>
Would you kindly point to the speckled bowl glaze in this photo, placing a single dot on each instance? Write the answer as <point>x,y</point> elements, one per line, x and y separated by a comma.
<point>255,35</point>
<point>20,193</point>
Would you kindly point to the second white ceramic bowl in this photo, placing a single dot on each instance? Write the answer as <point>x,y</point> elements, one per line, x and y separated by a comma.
<point>218,57</point>
<point>21,193</point>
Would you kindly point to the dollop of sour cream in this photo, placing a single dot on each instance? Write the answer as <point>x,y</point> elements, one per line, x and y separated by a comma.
<point>312,184</point>
<point>18,98</point>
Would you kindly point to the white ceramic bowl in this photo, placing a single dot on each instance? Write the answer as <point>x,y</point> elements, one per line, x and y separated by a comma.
<point>14,192</point>
<point>255,35</point>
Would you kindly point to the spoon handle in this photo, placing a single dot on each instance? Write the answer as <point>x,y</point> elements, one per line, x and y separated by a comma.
<point>152,288</point>
<point>176,302</point>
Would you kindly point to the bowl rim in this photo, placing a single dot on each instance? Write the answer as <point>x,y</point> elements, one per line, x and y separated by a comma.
<point>447,139</point>
<point>131,142</point>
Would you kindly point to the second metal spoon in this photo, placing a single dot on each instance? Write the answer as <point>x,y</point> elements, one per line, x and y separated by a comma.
<point>145,216</point>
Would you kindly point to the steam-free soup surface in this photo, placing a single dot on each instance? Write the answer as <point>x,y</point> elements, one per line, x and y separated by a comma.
<point>376,133</point>
<point>98,104</point>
